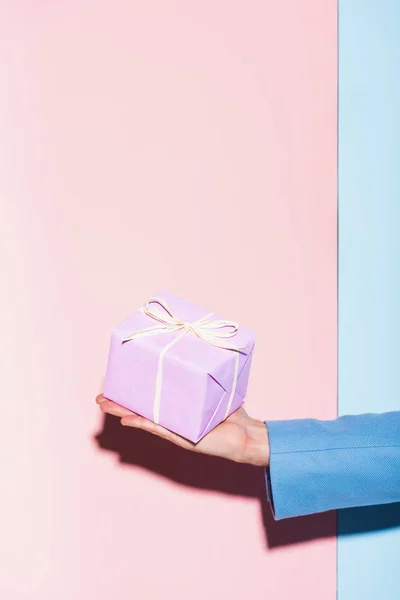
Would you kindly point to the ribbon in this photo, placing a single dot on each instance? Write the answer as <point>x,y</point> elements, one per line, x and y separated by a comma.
<point>212,332</point>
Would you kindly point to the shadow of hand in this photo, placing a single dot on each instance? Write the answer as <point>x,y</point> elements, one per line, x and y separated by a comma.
<point>145,451</point>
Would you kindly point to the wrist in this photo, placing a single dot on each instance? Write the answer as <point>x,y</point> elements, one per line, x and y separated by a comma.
<point>258,451</point>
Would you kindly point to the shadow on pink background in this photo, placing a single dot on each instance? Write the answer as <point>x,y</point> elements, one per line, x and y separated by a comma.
<point>140,450</point>
<point>155,145</point>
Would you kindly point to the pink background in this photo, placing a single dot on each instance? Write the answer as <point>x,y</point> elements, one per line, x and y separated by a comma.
<point>189,146</point>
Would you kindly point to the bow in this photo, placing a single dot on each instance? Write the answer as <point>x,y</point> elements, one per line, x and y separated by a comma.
<point>212,332</point>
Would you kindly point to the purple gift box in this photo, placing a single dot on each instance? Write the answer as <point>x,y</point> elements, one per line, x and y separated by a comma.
<point>181,367</point>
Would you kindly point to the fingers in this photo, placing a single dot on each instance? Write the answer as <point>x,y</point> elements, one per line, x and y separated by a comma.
<point>140,423</point>
<point>130,419</point>
<point>112,408</point>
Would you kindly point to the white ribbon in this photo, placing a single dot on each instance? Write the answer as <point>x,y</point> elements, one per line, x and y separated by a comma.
<point>211,332</point>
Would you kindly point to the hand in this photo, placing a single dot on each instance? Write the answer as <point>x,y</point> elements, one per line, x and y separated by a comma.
<point>239,438</point>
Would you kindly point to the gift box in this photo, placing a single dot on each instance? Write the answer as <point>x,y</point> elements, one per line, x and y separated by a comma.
<point>179,365</point>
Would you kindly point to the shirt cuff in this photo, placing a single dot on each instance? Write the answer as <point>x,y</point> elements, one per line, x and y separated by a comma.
<point>298,479</point>
<point>293,478</point>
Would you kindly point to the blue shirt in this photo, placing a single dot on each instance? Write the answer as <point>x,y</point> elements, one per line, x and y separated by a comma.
<point>322,465</point>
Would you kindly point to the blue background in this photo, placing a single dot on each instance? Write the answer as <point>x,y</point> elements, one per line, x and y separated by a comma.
<point>369,270</point>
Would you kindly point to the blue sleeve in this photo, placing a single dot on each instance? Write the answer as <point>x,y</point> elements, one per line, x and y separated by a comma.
<point>322,465</point>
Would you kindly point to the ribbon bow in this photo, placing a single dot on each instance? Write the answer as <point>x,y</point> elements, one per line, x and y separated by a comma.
<point>212,332</point>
